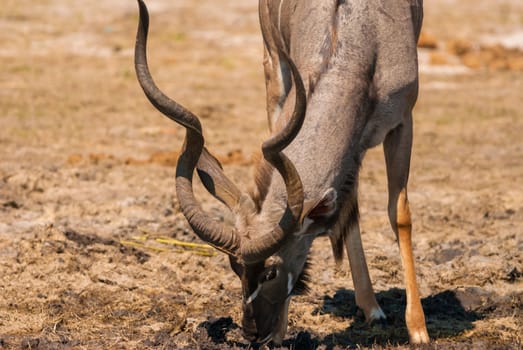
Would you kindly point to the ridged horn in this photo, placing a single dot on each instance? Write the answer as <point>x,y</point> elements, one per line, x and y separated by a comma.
<point>213,232</point>
<point>260,248</point>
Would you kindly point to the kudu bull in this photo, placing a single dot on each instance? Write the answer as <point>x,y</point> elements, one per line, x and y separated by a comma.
<point>341,77</point>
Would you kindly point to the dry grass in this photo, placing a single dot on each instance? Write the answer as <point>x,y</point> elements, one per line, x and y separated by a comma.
<point>82,151</point>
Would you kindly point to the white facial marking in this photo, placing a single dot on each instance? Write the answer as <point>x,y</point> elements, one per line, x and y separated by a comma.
<point>307,222</point>
<point>290,283</point>
<point>254,294</point>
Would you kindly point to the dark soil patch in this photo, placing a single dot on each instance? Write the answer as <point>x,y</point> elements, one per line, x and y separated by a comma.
<point>85,240</point>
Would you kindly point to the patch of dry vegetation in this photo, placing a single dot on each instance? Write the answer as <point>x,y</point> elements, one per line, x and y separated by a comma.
<point>87,165</point>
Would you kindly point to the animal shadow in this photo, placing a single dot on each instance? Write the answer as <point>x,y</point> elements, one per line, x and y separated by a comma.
<point>447,313</point>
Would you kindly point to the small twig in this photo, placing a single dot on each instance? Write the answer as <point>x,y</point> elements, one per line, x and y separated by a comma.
<point>140,241</point>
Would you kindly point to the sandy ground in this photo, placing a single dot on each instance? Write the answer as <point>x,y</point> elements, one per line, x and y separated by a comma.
<point>87,207</point>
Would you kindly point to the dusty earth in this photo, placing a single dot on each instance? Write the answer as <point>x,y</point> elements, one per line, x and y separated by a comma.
<point>88,216</point>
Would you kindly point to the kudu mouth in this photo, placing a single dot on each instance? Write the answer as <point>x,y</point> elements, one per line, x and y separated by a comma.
<point>265,319</point>
<point>275,332</point>
<point>195,156</point>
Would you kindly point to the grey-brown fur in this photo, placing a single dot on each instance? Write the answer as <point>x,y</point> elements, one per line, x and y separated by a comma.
<point>358,92</point>
<point>358,64</point>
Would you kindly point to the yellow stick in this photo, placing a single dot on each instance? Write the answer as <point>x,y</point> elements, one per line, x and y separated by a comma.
<point>140,245</point>
<point>195,248</point>
<point>173,241</point>
<point>140,238</point>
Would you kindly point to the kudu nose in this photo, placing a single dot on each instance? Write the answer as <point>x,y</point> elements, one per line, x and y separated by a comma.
<point>249,330</point>
<point>251,337</point>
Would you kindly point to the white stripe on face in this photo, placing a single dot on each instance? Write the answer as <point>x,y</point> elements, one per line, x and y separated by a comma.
<point>304,227</point>
<point>290,283</point>
<point>254,294</point>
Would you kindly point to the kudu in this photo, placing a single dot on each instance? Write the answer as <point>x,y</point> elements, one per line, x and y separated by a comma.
<point>341,77</point>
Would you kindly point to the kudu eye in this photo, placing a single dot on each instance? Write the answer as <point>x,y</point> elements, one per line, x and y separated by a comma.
<point>270,274</point>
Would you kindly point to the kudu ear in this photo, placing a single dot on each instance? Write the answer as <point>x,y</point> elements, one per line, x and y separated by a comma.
<point>322,208</point>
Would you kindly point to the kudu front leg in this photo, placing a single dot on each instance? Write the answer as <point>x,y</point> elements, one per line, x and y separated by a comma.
<point>397,147</point>
<point>364,293</point>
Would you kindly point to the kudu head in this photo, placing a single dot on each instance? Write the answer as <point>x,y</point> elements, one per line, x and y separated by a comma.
<point>268,254</point>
